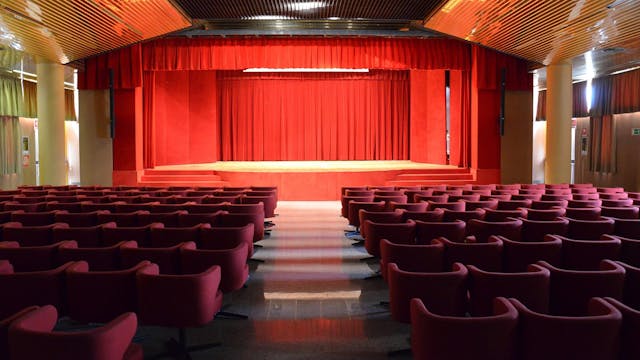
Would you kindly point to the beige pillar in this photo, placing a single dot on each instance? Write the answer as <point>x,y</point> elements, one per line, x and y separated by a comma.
<point>51,154</point>
<point>96,148</point>
<point>557,167</point>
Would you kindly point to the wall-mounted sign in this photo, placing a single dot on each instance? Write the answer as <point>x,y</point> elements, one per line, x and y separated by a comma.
<point>583,133</point>
<point>635,131</point>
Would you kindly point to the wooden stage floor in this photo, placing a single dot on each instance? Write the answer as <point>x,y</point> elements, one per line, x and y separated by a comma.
<point>309,180</point>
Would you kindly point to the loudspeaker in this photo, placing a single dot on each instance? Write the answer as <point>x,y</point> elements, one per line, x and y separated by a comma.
<point>503,88</point>
<point>112,107</point>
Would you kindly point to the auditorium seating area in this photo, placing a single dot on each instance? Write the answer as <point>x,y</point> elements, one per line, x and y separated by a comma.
<point>526,271</point>
<point>118,256</point>
<point>504,266</point>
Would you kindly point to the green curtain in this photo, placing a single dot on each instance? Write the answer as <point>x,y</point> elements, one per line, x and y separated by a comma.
<point>11,99</point>
<point>10,138</point>
<point>30,99</point>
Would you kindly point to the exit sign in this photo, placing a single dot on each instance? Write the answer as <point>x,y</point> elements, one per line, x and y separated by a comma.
<point>635,131</point>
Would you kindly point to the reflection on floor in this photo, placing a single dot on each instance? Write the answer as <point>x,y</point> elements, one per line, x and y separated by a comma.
<point>306,301</point>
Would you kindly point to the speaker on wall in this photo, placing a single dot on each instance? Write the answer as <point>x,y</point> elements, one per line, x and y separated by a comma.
<point>503,86</point>
<point>112,108</point>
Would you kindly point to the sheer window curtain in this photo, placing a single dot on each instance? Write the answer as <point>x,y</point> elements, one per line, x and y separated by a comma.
<point>11,106</point>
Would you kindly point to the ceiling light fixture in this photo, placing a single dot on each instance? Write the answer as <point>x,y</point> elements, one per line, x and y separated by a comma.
<point>307,5</point>
<point>305,70</point>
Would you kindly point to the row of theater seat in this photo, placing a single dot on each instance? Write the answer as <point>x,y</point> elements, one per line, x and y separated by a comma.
<point>89,227</point>
<point>463,289</point>
<point>179,301</point>
<point>607,330</point>
<point>188,280</point>
<point>153,205</point>
<point>505,241</point>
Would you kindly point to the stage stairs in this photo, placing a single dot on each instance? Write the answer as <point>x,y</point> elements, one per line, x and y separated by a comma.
<point>157,177</point>
<point>452,176</point>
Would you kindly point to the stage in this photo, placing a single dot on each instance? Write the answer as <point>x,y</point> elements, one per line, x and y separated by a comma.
<point>305,180</point>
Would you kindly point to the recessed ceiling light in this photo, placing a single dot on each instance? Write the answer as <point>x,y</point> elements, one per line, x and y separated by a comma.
<point>306,5</point>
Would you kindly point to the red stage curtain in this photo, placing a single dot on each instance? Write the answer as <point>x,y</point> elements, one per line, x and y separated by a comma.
<point>127,69</point>
<point>460,118</point>
<point>148,97</point>
<point>305,52</point>
<point>625,94</point>
<point>580,100</point>
<point>314,116</point>
<point>184,120</point>
<point>489,64</point>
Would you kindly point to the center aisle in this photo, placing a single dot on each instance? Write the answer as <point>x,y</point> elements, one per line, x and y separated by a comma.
<point>308,300</point>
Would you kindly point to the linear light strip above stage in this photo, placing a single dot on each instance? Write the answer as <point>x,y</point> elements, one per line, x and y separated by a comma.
<point>305,70</point>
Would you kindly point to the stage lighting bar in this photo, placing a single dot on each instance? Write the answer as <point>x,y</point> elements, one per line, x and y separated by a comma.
<point>305,70</point>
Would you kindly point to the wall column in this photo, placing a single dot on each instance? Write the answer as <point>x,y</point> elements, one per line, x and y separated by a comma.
<point>557,167</point>
<point>51,137</point>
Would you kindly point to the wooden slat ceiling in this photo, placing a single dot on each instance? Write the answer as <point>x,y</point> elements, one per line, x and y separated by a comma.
<point>546,31</point>
<point>295,9</point>
<point>67,30</point>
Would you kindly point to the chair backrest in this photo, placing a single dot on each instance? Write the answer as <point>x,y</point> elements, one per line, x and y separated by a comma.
<point>486,256</point>
<point>510,228</point>
<point>400,233</point>
<point>30,235</point>
<point>590,229</point>
<point>29,258</point>
<point>455,206</point>
<point>531,287</point>
<point>629,249</point>
<point>32,288</point>
<point>535,230</point>
<point>587,254</point>
<point>99,296</point>
<point>481,204</point>
<point>387,217</point>
<point>171,236</point>
<point>105,258</point>
<point>513,204</point>
<point>628,212</point>
<point>451,215</point>
<point>355,206</point>
<point>548,204</point>
<point>630,346</point>
<point>32,337</point>
<point>518,255</point>
<point>583,213</point>
<point>629,228</point>
<point>413,258</point>
<point>427,231</point>
<point>4,330</point>
<point>502,215</point>
<point>443,292</point>
<point>437,337</point>
<point>545,214</point>
<point>232,262</point>
<point>167,258</point>
<point>572,289</point>
<point>631,295</point>
<point>592,334</point>
<point>429,216</point>
<point>141,234</point>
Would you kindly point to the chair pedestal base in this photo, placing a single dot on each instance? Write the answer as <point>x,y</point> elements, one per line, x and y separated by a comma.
<point>178,349</point>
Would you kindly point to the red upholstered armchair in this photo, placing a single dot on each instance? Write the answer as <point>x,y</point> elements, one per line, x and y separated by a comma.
<point>29,258</point>
<point>32,288</point>
<point>414,258</point>
<point>587,254</point>
<point>167,258</point>
<point>30,235</point>
<point>4,330</point>
<point>483,229</point>
<point>427,231</point>
<point>590,229</point>
<point>98,296</point>
<point>487,256</point>
<point>443,292</point>
<point>630,346</point>
<point>438,337</point>
<point>400,233</point>
<point>592,334</point>
<point>535,230</point>
<point>518,255</point>
<point>545,214</point>
<point>200,291</point>
<point>32,337</point>
<point>531,287</point>
<point>572,289</point>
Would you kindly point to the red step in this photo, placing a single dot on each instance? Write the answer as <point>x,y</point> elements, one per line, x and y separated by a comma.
<point>440,177</point>
<point>180,177</point>
<point>179,172</point>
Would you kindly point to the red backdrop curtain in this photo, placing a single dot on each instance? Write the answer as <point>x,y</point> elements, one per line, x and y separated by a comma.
<point>580,99</point>
<point>314,116</point>
<point>625,92</point>
<point>541,110</point>
<point>300,52</point>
